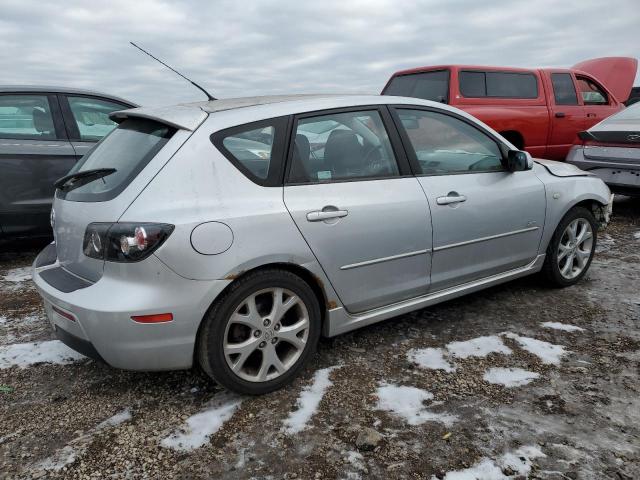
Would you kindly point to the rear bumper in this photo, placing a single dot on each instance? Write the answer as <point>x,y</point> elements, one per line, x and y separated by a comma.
<point>96,320</point>
<point>618,175</point>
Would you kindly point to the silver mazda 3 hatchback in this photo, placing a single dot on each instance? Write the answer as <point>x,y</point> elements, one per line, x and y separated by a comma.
<point>233,233</point>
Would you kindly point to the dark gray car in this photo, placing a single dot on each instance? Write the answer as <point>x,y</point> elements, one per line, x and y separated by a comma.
<point>43,132</point>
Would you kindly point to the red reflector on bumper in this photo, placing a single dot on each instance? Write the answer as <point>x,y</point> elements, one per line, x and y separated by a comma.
<point>154,318</point>
<point>62,313</point>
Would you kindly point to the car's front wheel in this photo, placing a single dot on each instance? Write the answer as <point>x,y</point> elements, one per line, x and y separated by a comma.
<point>258,336</point>
<point>571,249</point>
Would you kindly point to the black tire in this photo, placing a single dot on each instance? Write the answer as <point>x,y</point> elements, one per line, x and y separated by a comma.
<point>210,342</point>
<point>551,268</point>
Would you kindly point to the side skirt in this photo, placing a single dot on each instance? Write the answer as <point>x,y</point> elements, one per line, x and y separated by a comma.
<point>340,321</point>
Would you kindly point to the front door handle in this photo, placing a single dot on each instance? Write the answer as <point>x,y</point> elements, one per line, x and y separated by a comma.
<point>321,215</point>
<point>451,198</point>
<point>591,114</point>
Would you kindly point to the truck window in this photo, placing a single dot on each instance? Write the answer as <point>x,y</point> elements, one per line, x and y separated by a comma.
<point>476,84</point>
<point>427,85</point>
<point>564,91</point>
<point>591,93</point>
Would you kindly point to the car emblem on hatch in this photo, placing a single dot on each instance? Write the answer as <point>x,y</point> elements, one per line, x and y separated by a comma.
<point>634,137</point>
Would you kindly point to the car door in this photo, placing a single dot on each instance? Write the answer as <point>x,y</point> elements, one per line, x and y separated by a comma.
<point>354,200</point>
<point>87,119</point>
<point>598,104</point>
<point>566,114</point>
<point>485,219</point>
<point>34,153</point>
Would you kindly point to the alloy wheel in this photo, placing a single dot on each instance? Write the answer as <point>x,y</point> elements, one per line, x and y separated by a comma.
<point>575,247</point>
<point>266,334</point>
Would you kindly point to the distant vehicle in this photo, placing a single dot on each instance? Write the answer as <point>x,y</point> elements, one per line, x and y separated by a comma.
<point>43,132</point>
<point>634,97</point>
<point>538,110</point>
<point>233,233</point>
<point>611,150</point>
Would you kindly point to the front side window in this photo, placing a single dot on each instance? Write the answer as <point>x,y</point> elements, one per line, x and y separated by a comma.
<point>564,90</point>
<point>474,84</point>
<point>445,145</point>
<point>591,93</point>
<point>341,146</point>
<point>428,86</point>
<point>92,116</point>
<point>26,117</point>
<point>128,149</point>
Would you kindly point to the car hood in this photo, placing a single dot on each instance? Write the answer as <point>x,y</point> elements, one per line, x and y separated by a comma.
<point>617,73</point>
<point>562,169</point>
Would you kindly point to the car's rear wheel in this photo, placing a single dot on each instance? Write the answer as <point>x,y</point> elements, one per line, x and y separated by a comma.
<point>571,249</point>
<point>258,336</point>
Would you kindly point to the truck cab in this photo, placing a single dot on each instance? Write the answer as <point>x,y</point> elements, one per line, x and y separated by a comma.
<point>539,110</point>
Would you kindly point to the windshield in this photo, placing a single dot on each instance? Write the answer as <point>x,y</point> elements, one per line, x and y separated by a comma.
<point>427,85</point>
<point>127,149</point>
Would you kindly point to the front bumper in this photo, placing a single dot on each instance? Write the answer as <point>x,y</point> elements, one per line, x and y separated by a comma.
<point>96,319</point>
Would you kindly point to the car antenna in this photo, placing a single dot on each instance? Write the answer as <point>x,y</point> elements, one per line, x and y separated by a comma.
<point>209,96</point>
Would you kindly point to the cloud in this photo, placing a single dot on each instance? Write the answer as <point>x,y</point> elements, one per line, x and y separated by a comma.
<point>267,47</point>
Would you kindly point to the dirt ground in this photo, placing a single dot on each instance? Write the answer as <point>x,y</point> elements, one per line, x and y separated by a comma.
<point>578,419</point>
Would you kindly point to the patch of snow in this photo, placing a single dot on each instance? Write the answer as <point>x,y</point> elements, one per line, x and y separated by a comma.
<point>562,326</point>
<point>509,377</point>
<point>636,235</point>
<point>78,446</point>
<point>308,401</point>
<point>605,243</point>
<point>519,461</point>
<point>198,428</point>
<point>408,404</point>
<point>17,275</point>
<point>478,347</point>
<point>26,320</point>
<point>356,459</point>
<point>27,354</point>
<point>547,352</point>
<point>431,358</point>
<point>117,419</point>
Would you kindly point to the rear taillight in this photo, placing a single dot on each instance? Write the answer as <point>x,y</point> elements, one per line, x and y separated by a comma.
<point>124,242</point>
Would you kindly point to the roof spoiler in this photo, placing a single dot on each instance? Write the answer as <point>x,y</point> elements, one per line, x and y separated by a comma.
<point>616,73</point>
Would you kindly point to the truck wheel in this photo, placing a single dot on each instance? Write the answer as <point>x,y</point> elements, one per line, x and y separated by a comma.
<point>571,248</point>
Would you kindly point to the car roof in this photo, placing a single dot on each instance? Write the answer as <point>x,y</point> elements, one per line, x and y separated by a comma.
<point>189,116</point>
<point>58,89</point>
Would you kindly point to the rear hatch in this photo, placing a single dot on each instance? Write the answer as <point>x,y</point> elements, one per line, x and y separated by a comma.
<point>140,146</point>
<point>616,73</point>
<point>616,139</point>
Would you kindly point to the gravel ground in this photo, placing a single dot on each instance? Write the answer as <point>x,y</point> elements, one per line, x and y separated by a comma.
<point>384,411</point>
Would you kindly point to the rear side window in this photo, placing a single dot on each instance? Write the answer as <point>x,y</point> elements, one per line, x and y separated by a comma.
<point>26,117</point>
<point>128,149</point>
<point>428,86</point>
<point>92,116</point>
<point>256,149</point>
<point>474,84</point>
<point>564,91</point>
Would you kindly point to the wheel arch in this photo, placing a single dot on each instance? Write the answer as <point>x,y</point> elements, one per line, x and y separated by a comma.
<point>316,284</point>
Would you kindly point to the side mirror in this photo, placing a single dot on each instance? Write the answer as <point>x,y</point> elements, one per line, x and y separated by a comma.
<point>518,161</point>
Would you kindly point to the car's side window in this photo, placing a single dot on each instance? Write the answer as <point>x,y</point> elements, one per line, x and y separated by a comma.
<point>341,146</point>
<point>92,116</point>
<point>564,91</point>
<point>591,93</point>
<point>26,117</point>
<point>444,144</point>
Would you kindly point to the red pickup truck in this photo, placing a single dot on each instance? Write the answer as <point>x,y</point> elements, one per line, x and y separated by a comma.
<point>540,110</point>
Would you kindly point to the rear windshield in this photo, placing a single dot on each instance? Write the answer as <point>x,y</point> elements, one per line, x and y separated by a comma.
<point>428,86</point>
<point>128,149</point>
<point>630,113</point>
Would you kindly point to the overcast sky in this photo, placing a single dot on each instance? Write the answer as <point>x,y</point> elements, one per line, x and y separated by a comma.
<point>238,48</point>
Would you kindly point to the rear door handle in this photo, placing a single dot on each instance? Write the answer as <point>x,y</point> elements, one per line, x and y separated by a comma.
<point>451,198</point>
<point>321,215</point>
<point>560,114</point>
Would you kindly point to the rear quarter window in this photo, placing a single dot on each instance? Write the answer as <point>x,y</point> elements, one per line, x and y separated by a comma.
<point>477,84</point>
<point>128,149</point>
